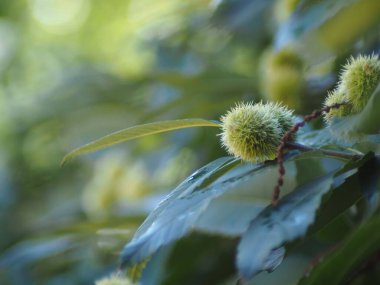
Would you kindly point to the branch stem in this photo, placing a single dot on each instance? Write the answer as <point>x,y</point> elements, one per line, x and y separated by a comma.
<point>344,155</point>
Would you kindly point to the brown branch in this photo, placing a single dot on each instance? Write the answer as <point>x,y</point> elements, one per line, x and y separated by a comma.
<point>285,143</point>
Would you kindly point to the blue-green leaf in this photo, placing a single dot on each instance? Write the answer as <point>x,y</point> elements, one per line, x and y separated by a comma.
<point>291,219</point>
<point>208,173</point>
<point>231,213</point>
<point>240,190</point>
<point>178,217</point>
<point>173,217</point>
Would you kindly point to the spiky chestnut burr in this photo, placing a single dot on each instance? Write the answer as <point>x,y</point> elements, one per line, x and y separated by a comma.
<point>357,82</point>
<point>359,79</point>
<point>334,97</point>
<point>253,132</point>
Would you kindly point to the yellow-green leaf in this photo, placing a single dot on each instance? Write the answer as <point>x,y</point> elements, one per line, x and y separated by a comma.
<point>137,132</point>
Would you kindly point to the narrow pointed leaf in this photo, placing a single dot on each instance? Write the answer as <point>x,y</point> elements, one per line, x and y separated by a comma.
<point>137,132</point>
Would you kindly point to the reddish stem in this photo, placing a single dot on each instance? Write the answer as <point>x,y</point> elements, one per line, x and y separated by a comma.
<point>283,145</point>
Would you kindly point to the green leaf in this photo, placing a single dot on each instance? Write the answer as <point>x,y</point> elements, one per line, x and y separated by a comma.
<point>137,132</point>
<point>358,246</point>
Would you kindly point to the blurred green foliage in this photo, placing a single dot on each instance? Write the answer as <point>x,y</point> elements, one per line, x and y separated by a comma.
<point>72,71</point>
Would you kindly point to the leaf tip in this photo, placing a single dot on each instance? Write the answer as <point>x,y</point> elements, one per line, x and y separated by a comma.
<point>66,159</point>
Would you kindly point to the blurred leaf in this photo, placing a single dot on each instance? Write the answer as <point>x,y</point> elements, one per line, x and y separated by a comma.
<point>204,260</point>
<point>212,81</point>
<point>134,273</point>
<point>244,18</point>
<point>137,132</point>
<point>288,273</point>
<point>309,15</point>
<point>315,28</point>
<point>27,252</point>
<point>358,246</point>
<point>155,270</point>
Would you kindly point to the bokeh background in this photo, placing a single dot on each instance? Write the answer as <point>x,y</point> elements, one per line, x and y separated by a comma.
<point>74,70</point>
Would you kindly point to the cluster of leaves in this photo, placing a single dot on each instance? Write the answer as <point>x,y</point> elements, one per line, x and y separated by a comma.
<point>205,202</point>
<point>199,65</point>
<point>210,200</point>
